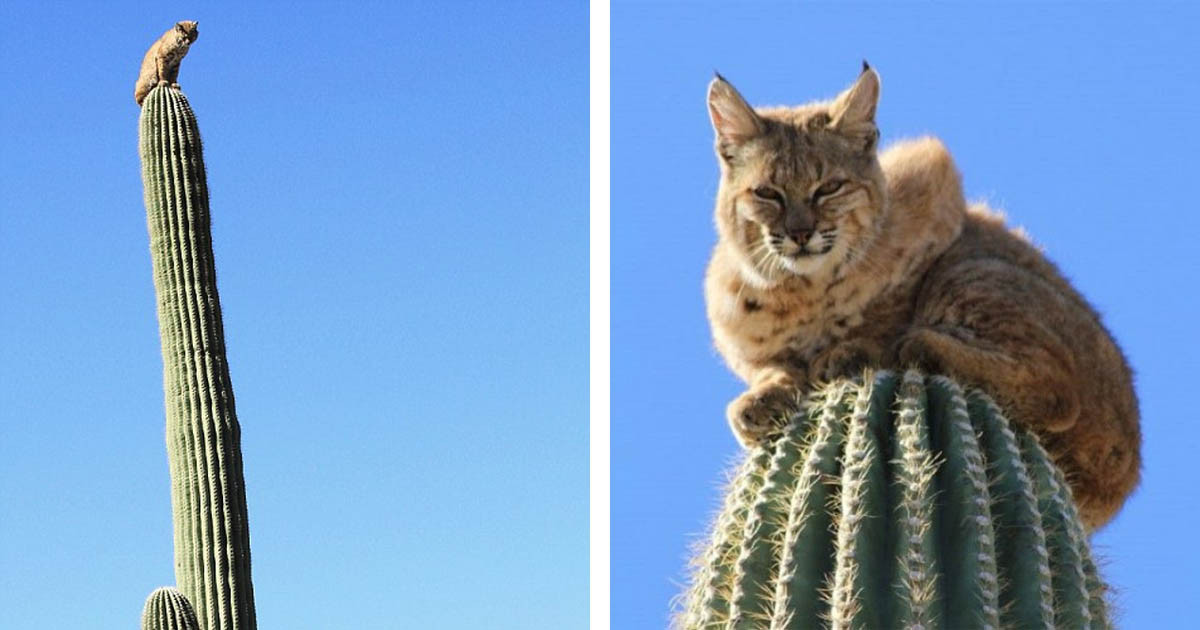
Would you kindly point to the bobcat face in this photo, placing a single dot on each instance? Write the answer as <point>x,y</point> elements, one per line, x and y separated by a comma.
<point>800,187</point>
<point>791,214</point>
<point>187,32</point>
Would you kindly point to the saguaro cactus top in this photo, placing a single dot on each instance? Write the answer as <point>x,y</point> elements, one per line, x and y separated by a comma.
<point>168,609</point>
<point>208,496</point>
<point>898,503</point>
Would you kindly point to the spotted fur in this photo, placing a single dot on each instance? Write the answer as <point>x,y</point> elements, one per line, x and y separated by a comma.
<point>832,257</point>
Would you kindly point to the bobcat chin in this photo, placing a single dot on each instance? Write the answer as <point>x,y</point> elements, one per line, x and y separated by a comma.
<point>833,257</point>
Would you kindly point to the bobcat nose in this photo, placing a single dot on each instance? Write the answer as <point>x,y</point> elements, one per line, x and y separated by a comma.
<point>799,225</point>
<point>800,236</point>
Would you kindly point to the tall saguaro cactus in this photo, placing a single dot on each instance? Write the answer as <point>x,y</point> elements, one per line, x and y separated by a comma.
<point>208,496</point>
<point>903,502</point>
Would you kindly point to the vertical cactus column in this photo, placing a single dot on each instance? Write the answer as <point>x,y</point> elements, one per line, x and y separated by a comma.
<point>208,496</point>
<point>168,609</point>
<point>903,502</point>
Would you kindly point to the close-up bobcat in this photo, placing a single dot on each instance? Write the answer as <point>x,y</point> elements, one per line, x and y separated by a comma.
<point>833,257</point>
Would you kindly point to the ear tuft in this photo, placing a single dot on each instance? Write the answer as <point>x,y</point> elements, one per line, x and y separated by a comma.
<point>853,112</point>
<point>733,119</point>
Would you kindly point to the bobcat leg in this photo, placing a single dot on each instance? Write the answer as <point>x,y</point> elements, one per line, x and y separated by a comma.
<point>846,358</point>
<point>760,412</point>
<point>1033,387</point>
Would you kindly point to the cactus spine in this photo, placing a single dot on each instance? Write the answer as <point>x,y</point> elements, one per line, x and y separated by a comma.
<point>168,609</point>
<point>208,497</point>
<point>903,502</point>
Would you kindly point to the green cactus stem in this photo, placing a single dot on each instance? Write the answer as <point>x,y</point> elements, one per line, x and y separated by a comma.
<point>208,495</point>
<point>168,609</point>
<point>902,502</point>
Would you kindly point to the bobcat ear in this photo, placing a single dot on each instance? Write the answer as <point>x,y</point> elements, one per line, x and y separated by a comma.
<point>733,119</point>
<point>853,112</point>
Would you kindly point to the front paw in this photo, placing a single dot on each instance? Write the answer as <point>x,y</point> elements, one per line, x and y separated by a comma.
<point>916,350</point>
<point>844,359</point>
<point>760,414</point>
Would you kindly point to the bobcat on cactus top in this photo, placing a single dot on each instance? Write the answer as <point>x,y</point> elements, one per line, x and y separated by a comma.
<point>161,63</point>
<point>832,257</point>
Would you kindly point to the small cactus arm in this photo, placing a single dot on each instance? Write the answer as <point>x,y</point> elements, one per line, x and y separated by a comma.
<point>903,502</point>
<point>208,495</point>
<point>168,609</point>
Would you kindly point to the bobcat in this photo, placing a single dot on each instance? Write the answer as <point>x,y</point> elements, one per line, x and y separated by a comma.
<point>832,258</point>
<point>161,63</point>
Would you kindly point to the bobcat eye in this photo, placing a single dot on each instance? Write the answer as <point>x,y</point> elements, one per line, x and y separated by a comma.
<point>768,194</point>
<point>829,187</point>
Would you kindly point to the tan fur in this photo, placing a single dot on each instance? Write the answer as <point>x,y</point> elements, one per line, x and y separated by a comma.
<point>892,269</point>
<point>160,66</point>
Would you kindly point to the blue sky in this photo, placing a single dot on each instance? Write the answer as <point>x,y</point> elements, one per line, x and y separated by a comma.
<point>1079,120</point>
<point>400,210</point>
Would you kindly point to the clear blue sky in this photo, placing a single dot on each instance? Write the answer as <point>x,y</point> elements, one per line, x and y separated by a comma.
<point>1080,120</point>
<point>400,210</point>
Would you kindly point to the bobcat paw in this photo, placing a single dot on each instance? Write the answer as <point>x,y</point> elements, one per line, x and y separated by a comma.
<point>914,351</point>
<point>845,359</point>
<point>759,414</point>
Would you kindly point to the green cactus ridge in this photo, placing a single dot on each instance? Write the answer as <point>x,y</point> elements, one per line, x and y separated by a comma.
<point>168,609</point>
<point>208,496</point>
<point>902,502</point>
